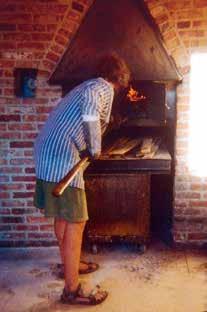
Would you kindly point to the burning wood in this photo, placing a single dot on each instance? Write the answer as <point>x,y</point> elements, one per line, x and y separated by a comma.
<point>133,95</point>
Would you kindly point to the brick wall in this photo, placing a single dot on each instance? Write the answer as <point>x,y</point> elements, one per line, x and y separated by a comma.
<point>183,27</point>
<point>35,34</point>
<point>32,34</point>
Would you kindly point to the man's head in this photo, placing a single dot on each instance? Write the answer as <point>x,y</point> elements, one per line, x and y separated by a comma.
<point>114,69</point>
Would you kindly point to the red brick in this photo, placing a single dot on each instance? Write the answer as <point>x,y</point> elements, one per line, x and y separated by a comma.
<point>42,101</point>
<point>199,23</point>
<point>38,55</point>
<point>9,45</point>
<point>23,144</point>
<point>4,178</point>
<point>52,56</point>
<point>30,187</point>
<point>77,6</point>
<point>10,170</point>
<point>29,101</point>
<point>57,8</point>
<point>4,195</point>
<point>25,27</point>
<point>21,161</point>
<point>30,135</point>
<point>198,187</point>
<point>3,162</point>
<point>12,219</point>
<point>26,227</point>
<point>3,127</point>
<point>6,118</point>
<point>188,195</point>
<point>37,235</point>
<point>7,27</point>
<point>8,73</point>
<point>5,7</point>
<point>22,194</point>
<point>57,48</point>
<point>47,227</point>
<point>197,236</point>
<point>30,118</point>
<point>36,219</point>
<point>18,18</point>
<point>183,24</point>
<point>22,126</point>
<point>48,65</point>
<point>42,74</point>
<point>51,27</point>
<point>30,203</point>
<point>61,40</point>
<point>5,228</point>
<point>11,186</point>
<point>29,170</point>
<point>16,36</point>
<point>200,3</point>
<point>199,203</point>
<point>13,235</point>
<point>46,19</point>
<point>7,82</point>
<point>12,203</point>
<point>73,15</point>
<point>22,211</point>
<point>39,27</point>
<point>8,91</point>
<point>42,36</point>
<point>23,178</point>
<point>4,63</point>
<point>10,135</point>
<point>28,153</point>
<point>30,45</point>
<point>65,32</point>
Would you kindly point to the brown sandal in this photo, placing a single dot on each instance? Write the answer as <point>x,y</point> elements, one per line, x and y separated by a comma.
<point>92,267</point>
<point>77,297</point>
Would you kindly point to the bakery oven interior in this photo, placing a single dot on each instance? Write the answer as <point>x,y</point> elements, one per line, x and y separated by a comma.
<point>130,188</point>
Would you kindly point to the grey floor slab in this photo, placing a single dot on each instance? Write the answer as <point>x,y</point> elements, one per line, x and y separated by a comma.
<point>160,280</point>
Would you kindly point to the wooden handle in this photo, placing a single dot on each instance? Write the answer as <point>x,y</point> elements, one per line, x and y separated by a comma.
<point>64,182</point>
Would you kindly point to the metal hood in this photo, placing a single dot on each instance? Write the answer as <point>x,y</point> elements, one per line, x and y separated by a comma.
<point>126,27</point>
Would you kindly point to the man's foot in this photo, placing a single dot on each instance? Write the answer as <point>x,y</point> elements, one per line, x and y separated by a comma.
<point>87,267</point>
<point>96,296</point>
<point>84,268</point>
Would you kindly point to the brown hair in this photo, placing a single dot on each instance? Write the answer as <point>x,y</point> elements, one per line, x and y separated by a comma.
<point>113,68</point>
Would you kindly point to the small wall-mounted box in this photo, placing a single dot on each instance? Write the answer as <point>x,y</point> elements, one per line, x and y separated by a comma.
<point>25,82</point>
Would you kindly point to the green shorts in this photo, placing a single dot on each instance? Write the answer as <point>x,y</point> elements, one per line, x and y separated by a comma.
<point>71,205</point>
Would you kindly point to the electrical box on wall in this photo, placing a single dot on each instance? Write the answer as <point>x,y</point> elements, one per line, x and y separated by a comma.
<point>25,82</point>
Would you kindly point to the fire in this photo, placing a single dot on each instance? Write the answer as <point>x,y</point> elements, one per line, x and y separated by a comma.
<point>133,95</point>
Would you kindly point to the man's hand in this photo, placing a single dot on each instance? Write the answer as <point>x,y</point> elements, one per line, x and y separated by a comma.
<point>86,153</point>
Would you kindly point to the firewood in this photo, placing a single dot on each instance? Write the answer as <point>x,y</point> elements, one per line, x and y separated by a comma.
<point>122,146</point>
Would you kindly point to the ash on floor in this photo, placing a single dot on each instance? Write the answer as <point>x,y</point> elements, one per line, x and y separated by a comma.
<point>161,280</point>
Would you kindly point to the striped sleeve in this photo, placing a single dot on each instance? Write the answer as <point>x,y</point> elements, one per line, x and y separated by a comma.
<point>91,119</point>
<point>91,103</point>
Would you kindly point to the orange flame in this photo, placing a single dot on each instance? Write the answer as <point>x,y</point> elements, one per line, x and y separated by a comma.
<point>133,95</point>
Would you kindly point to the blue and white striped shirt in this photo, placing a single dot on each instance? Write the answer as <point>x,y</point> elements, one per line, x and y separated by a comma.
<point>57,147</point>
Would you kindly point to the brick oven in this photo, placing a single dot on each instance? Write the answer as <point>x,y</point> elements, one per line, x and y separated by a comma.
<point>128,185</point>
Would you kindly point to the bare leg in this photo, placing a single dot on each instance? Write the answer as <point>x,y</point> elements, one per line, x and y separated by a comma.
<point>59,228</point>
<point>72,242</point>
<point>71,250</point>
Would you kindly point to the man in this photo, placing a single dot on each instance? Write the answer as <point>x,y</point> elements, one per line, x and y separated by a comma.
<point>74,126</point>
